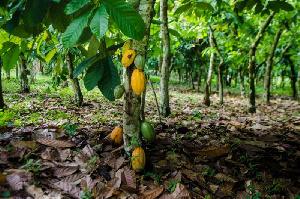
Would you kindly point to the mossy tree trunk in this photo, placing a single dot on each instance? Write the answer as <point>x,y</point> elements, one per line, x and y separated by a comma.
<point>241,81</point>
<point>166,59</point>
<point>74,81</point>
<point>267,80</point>
<point>1,95</point>
<point>23,75</point>
<point>293,76</point>
<point>132,102</point>
<point>220,68</point>
<point>252,58</point>
<point>207,85</point>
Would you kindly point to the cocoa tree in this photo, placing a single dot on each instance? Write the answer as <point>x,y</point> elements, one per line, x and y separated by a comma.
<point>1,94</point>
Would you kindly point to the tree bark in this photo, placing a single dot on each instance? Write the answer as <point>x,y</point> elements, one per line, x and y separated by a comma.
<point>7,75</point>
<point>267,80</point>
<point>293,78</point>
<point>78,97</point>
<point>1,94</point>
<point>166,59</point>
<point>220,68</point>
<point>23,75</point>
<point>251,106</point>
<point>206,99</point>
<point>132,102</point>
<point>241,81</point>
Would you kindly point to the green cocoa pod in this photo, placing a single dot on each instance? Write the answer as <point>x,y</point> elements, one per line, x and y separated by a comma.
<point>139,62</point>
<point>148,131</point>
<point>119,91</point>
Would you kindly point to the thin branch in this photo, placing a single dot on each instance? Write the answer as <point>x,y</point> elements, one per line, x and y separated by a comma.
<point>157,106</point>
<point>282,54</point>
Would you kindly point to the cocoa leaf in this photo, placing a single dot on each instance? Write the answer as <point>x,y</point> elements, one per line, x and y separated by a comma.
<point>54,143</point>
<point>213,151</point>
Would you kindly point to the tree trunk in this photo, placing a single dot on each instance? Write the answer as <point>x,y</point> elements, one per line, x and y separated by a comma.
<point>74,81</point>
<point>293,78</point>
<point>7,75</point>
<point>132,102</point>
<point>251,106</point>
<point>298,91</point>
<point>206,99</point>
<point>1,94</point>
<point>267,80</point>
<point>17,70</point>
<point>220,68</point>
<point>23,75</point>
<point>241,81</point>
<point>166,59</point>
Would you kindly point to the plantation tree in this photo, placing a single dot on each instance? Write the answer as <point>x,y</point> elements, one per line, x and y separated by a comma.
<point>267,80</point>
<point>1,95</point>
<point>166,59</point>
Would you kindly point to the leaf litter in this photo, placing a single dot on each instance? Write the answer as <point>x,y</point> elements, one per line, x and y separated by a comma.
<point>200,152</point>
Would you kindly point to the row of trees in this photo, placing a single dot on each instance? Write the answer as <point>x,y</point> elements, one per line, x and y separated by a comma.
<point>188,37</point>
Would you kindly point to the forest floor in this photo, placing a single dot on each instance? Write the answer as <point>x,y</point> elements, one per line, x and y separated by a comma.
<point>52,149</point>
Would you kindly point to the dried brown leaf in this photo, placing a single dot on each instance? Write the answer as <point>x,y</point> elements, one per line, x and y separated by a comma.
<point>128,181</point>
<point>180,192</point>
<point>223,177</point>
<point>154,193</point>
<point>35,191</point>
<point>69,188</point>
<point>119,162</point>
<point>24,144</point>
<point>54,143</point>
<point>73,179</point>
<point>66,171</point>
<point>3,180</point>
<point>213,151</point>
<point>17,179</point>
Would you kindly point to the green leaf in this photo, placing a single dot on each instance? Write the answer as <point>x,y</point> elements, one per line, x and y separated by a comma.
<point>93,47</point>
<point>204,6</point>
<point>99,23</point>
<point>38,11</point>
<point>174,33</point>
<point>74,30</point>
<point>183,8</point>
<point>80,68</point>
<point>57,16</point>
<point>158,22</point>
<point>94,74</point>
<point>11,58</point>
<point>14,21</point>
<point>57,1</point>
<point>75,5</point>
<point>50,55</point>
<point>109,80</point>
<point>127,18</point>
<point>85,36</point>
<point>283,5</point>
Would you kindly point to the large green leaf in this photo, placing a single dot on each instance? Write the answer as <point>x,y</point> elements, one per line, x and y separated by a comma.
<point>85,36</point>
<point>74,30</point>
<point>126,17</point>
<point>276,5</point>
<point>14,21</point>
<point>80,68</point>
<point>99,23</point>
<point>183,8</point>
<point>38,11</point>
<point>204,6</point>
<point>94,74</point>
<point>75,5</point>
<point>109,80</point>
<point>174,33</point>
<point>11,58</point>
<point>50,55</point>
<point>57,16</point>
<point>93,47</point>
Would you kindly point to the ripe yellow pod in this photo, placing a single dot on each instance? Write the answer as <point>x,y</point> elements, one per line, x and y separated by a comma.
<point>138,159</point>
<point>117,135</point>
<point>138,81</point>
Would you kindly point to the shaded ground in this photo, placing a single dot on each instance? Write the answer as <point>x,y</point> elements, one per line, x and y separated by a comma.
<point>57,150</point>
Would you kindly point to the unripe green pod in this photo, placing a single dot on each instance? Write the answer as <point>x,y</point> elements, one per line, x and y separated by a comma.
<point>119,91</point>
<point>139,62</point>
<point>148,131</point>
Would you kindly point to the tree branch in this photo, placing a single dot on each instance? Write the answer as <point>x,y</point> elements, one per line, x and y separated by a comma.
<point>282,54</point>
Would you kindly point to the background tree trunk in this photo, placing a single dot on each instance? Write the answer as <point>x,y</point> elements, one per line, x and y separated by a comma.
<point>7,75</point>
<point>241,81</point>
<point>166,59</point>
<point>293,78</point>
<point>74,81</point>
<point>252,58</point>
<point>23,75</point>
<point>1,94</point>
<point>132,102</point>
<point>267,80</point>
<point>206,99</point>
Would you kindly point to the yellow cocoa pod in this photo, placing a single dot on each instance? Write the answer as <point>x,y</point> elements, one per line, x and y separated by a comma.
<point>128,58</point>
<point>138,81</point>
<point>138,159</point>
<point>126,46</point>
<point>117,135</point>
